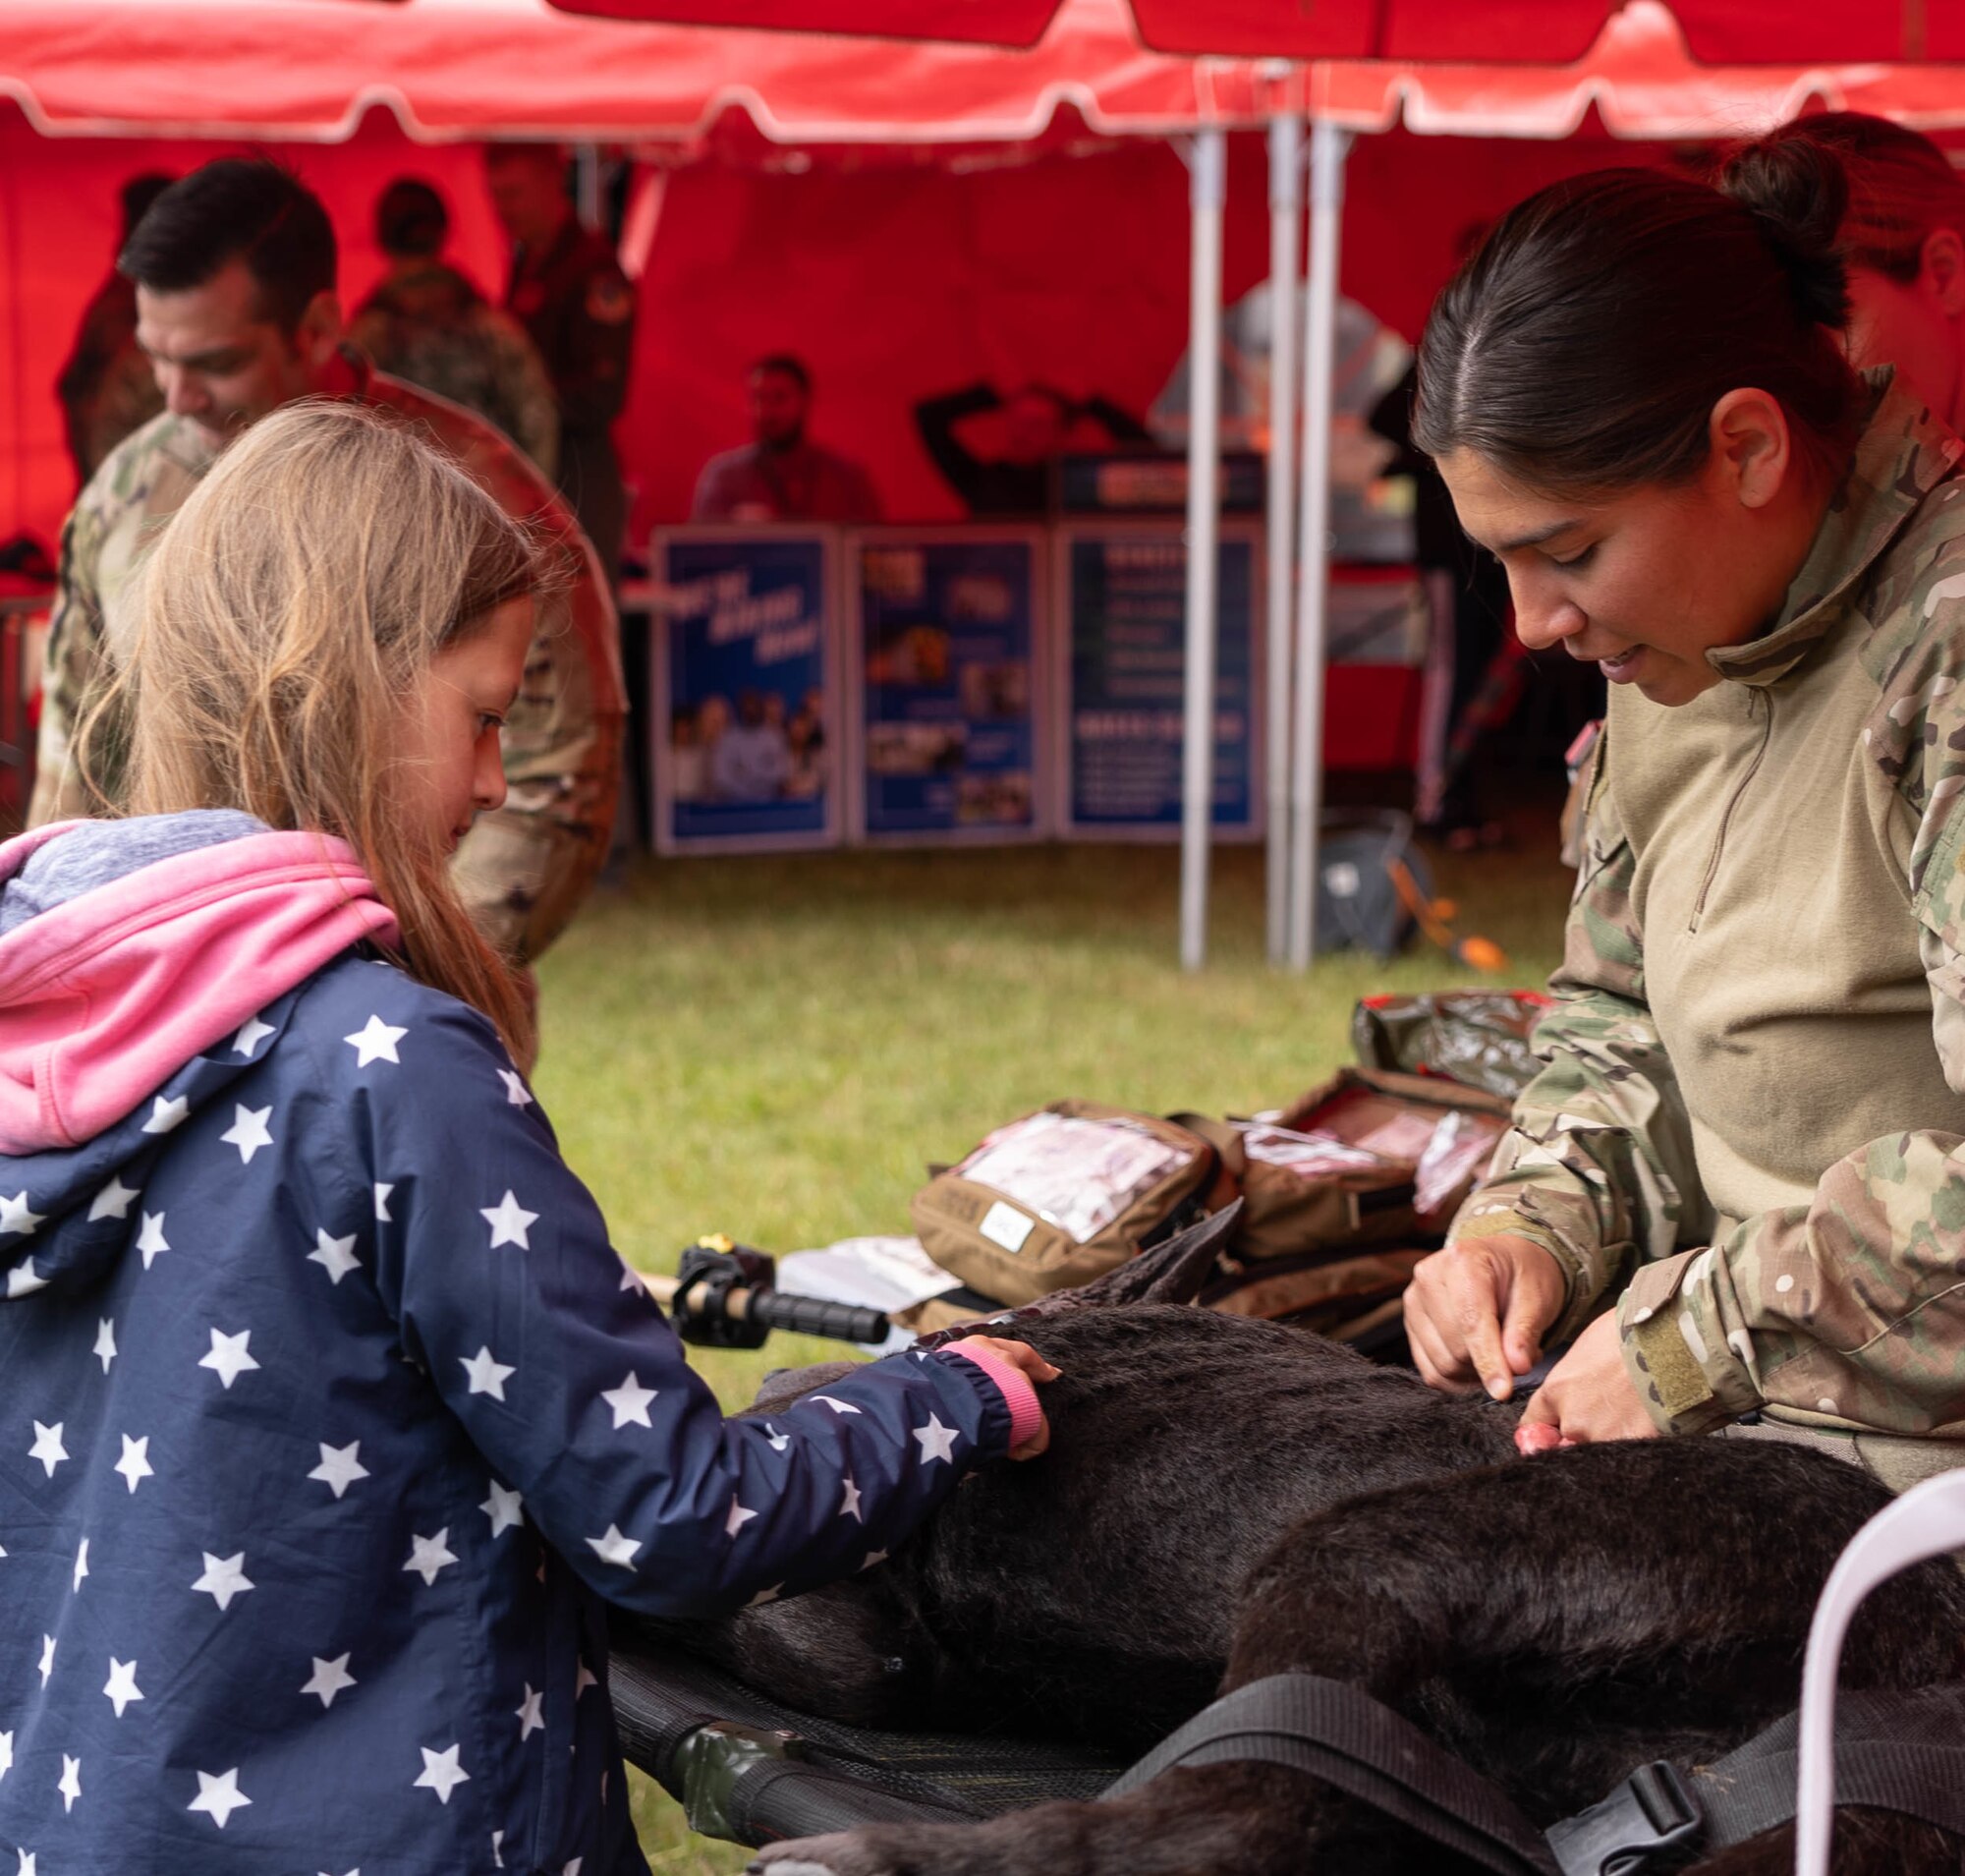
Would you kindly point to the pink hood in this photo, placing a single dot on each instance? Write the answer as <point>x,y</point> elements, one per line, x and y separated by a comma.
<point>104,999</point>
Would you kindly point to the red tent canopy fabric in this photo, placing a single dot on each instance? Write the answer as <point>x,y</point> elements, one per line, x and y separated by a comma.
<point>1513,32</point>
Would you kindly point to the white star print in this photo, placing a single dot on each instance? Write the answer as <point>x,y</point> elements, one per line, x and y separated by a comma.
<point>340,1466</point>
<point>517,1094</point>
<point>497,1852</point>
<point>150,1239</point>
<point>166,1114</point>
<point>937,1441</point>
<point>486,1373</point>
<point>122,1687</point>
<point>428,1555</point>
<point>335,1255</point>
<point>837,1407</point>
<point>218,1797</point>
<point>530,1718</point>
<point>508,1220</point>
<point>572,1868</point>
<point>249,1131</point>
<point>80,1564</point>
<point>872,1558</point>
<point>14,1218</point>
<point>134,1464</point>
<point>224,1577</point>
<point>23,1280</point>
<point>375,1040</point>
<point>502,1507</point>
<point>252,1033</point>
<point>69,1784</point>
<point>764,1596</point>
<point>47,1447</point>
<point>738,1518</point>
<point>630,1401</point>
<point>105,1342</point>
<point>382,1205</point>
<point>441,1772</point>
<point>6,1753</point>
<point>329,1677</point>
<point>850,1506</point>
<point>228,1358</point>
<point>779,1442</point>
<point>27,1864</point>
<point>615,1548</point>
<point>47,1658</point>
<point>112,1202</point>
<point>583,1680</point>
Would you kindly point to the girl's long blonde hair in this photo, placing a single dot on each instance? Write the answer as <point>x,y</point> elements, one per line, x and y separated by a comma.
<point>285,615</point>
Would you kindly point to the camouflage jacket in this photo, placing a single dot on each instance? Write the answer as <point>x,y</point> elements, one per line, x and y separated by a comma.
<point>524,870</point>
<point>1750,1127</point>
<point>430,327</point>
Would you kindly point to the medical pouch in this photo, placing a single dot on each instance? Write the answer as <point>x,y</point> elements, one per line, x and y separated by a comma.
<point>1062,1196</point>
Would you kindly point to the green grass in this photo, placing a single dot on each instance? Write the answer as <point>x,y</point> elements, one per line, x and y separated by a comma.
<point>773,1047</point>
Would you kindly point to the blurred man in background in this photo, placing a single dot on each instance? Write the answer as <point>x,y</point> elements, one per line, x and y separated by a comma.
<point>782,474</point>
<point>568,291</point>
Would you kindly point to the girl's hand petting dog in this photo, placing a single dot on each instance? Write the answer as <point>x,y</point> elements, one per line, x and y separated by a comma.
<point>1588,1397</point>
<point>1026,1359</point>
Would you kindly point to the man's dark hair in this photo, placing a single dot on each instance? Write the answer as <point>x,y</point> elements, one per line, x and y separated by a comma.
<point>138,194</point>
<point>239,207</point>
<point>786,364</point>
<point>411,218</point>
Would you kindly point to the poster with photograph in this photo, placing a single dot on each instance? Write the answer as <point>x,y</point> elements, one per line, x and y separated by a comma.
<point>1123,599</point>
<point>946,682</point>
<point>745,730</point>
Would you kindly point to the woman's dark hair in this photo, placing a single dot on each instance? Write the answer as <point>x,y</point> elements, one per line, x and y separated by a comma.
<point>1584,345</point>
<point>411,219</point>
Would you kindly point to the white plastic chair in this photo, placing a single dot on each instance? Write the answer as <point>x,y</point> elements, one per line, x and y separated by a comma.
<point>1926,1522</point>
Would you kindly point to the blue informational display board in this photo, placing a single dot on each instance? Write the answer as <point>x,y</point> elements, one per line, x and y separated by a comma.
<point>946,684</point>
<point>747,721</point>
<point>1122,598</point>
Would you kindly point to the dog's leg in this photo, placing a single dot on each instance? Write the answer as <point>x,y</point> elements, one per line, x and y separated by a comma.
<point>1220,1820</point>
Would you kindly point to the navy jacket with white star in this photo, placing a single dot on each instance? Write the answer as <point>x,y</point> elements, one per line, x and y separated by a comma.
<point>329,1421</point>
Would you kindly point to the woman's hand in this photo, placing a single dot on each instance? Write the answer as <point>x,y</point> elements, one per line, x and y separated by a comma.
<point>1027,1361</point>
<point>1588,1397</point>
<point>1477,1312</point>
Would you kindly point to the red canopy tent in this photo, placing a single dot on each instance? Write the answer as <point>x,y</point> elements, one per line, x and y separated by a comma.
<point>908,215</point>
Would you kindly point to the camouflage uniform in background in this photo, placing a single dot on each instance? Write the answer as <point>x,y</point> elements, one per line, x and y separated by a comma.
<point>1751,1127</point>
<point>522,871</point>
<point>430,327</point>
<point>106,387</point>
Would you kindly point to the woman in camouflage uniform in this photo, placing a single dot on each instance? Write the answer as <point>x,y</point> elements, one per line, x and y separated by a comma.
<point>1748,1133</point>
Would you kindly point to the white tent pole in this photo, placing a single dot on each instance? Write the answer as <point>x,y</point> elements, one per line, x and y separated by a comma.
<point>1285,209</point>
<point>1329,147</point>
<point>1209,164</point>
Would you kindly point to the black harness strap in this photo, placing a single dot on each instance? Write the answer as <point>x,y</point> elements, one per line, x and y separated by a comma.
<point>1360,1745</point>
<point>1902,1753</point>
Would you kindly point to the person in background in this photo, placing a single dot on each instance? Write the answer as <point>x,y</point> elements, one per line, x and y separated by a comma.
<point>234,269</point>
<point>782,474</point>
<point>1037,418</point>
<point>752,760</point>
<point>106,387</point>
<point>566,288</point>
<point>341,1422</point>
<point>428,324</point>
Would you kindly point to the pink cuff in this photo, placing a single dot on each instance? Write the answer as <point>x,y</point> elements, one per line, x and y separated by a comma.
<point>1025,1416</point>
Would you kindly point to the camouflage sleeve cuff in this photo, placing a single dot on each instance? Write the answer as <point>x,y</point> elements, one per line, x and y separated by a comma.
<point>1501,1219</point>
<point>1690,1378</point>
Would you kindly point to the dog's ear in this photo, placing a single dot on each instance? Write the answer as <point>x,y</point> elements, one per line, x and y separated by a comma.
<point>1168,1273</point>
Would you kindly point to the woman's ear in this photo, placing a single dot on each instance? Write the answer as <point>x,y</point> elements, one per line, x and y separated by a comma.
<point>1941,271</point>
<point>1752,446</point>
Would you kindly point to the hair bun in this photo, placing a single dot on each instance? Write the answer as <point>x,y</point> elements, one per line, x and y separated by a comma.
<point>1797,193</point>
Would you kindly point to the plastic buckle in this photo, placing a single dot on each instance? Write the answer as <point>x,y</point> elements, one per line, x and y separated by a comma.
<point>1652,1810</point>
